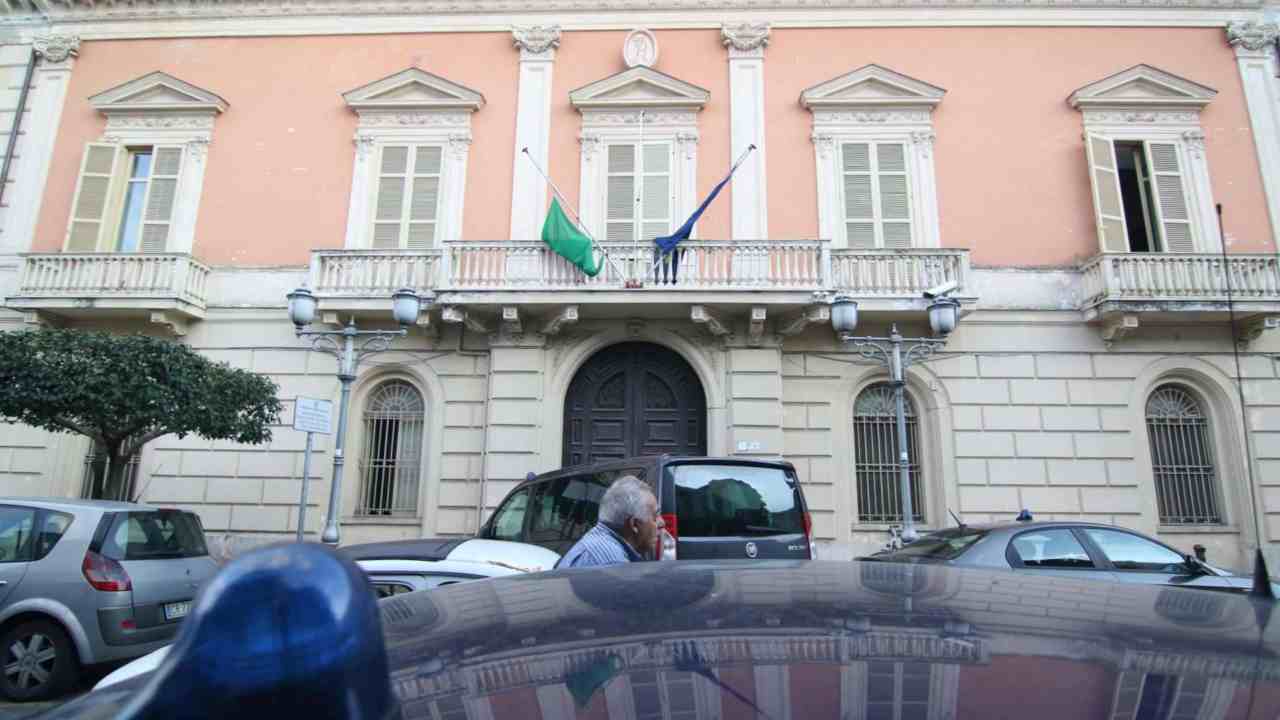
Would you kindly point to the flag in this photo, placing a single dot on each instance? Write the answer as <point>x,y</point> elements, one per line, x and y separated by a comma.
<point>667,243</point>
<point>560,234</point>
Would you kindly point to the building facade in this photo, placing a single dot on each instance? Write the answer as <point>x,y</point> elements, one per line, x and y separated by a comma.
<point>1101,182</point>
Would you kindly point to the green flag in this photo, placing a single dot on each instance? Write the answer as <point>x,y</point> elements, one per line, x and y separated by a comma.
<point>559,233</point>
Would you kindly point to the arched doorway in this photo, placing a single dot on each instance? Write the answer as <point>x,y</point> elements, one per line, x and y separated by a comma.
<point>634,399</point>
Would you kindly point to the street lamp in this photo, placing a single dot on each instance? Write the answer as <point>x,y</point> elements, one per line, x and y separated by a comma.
<point>406,305</point>
<point>888,351</point>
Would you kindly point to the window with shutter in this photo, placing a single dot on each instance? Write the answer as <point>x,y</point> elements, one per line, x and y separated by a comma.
<point>877,198</point>
<point>638,191</point>
<point>162,192</point>
<point>89,208</point>
<point>1140,197</point>
<point>406,205</point>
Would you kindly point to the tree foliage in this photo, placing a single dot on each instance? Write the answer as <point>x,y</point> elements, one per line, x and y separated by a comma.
<point>123,391</point>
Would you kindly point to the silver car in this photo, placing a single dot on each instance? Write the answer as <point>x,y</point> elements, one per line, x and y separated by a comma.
<point>84,582</point>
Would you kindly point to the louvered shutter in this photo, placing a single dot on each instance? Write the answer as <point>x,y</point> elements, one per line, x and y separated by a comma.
<point>1171,197</point>
<point>92,190</point>
<point>620,194</point>
<point>895,203</point>
<point>1107,208</point>
<point>655,200</point>
<point>859,203</point>
<point>162,192</point>
<point>388,212</point>
<point>424,199</point>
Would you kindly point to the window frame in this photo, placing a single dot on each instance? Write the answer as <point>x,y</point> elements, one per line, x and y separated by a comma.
<point>639,173</point>
<point>364,466</point>
<point>411,177</point>
<point>1210,441</point>
<point>1096,551</point>
<point>924,466</point>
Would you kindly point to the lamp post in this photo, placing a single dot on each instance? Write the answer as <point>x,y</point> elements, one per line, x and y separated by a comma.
<point>890,352</point>
<point>405,308</point>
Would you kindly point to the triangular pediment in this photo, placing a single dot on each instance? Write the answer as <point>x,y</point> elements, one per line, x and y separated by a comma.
<point>157,92</point>
<point>640,86</point>
<point>413,89</point>
<point>1142,86</point>
<point>872,86</point>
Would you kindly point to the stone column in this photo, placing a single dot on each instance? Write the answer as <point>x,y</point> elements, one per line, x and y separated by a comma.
<point>537,45</point>
<point>56,56</point>
<point>746,43</point>
<point>1255,45</point>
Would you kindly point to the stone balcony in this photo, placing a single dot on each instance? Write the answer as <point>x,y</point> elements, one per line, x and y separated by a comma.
<point>1124,290</point>
<point>483,283</point>
<point>164,288</point>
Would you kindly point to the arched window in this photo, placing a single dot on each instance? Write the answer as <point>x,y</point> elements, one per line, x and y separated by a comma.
<point>1182,457</point>
<point>875,444</point>
<point>391,464</point>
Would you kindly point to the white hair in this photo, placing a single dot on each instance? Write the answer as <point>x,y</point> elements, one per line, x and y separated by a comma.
<point>628,497</point>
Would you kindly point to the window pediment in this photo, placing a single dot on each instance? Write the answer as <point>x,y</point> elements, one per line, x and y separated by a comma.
<point>1145,87</point>
<point>639,87</point>
<point>157,92</point>
<point>413,89</point>
<point>872,86</point>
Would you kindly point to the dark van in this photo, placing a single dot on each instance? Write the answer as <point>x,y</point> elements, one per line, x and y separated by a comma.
<point>713,507</point>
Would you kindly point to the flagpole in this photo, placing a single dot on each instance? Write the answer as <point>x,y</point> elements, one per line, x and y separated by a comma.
<point>732,169</point>
<point>638,207</point>
<point>578,219</point>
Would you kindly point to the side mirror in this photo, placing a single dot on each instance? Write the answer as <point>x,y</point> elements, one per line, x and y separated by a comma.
<point>1194,566</point>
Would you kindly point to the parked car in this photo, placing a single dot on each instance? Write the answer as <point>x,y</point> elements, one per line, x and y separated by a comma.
<point>712,507</point>
<point>689,640</point>
<point>402,566</point>
<point>84,582</point>
<point>1079,549</point>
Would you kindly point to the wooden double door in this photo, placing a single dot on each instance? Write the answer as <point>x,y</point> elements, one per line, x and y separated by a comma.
<point>634,399</point>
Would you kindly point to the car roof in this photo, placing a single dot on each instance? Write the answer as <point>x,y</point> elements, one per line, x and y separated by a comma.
<point>53,503</point>
<point>650,461</point>
<point>1028,524</point>
<point>429,549</point>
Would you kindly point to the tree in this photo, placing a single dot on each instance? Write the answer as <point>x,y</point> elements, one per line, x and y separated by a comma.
<point>124,391</point>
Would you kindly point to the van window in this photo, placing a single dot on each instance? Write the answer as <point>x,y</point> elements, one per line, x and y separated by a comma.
<point>564,509</point>
<point>52,528</point>
<point>724,500</point>
<point>16,525</point>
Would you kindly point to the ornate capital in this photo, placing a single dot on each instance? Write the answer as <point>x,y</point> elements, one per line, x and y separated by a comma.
<point>590,144</point>
<point>364,145</point>
<point>1252,36</point>
<point>55,48</point>
<point>459,143</point>
<point>536,42</point>
<point>824,143</point>
<point>198,148</point>
<point>745,39</point>
<point>688,142</point>
<point>1195,142</point>
<point>924,139</point>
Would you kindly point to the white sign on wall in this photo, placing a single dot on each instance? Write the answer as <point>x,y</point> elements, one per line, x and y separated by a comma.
<point>313,415</point>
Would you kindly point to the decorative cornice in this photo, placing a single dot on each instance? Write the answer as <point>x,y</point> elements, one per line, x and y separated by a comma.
<point>159,122</point>
<point>639,87</point>
<point>56,48</point>
<point>869,117</point>
<point>745,39</point>
<point>1143,117</point>
<point>872,86</point>
<point>674,118</point>
<point>536,42</point>
<point>90,10</point>
<point>157,93</point>
<point>1252,36</point>
<point>413,89</point>
<point>1142,87</point>
<point>424,118</point>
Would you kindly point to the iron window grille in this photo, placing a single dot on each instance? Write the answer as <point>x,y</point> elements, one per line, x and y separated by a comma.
<point>875,442</point>
<point>1182,458</point>
<point>391,464</point>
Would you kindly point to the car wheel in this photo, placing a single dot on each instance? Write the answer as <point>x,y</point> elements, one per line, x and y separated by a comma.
<point>39,661</point>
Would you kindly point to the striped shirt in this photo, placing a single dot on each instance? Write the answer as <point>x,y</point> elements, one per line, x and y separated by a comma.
<point>600,546</point>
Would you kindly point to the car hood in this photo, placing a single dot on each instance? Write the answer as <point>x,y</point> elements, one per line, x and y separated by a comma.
<point>820,640</point>
<point>514,555</point>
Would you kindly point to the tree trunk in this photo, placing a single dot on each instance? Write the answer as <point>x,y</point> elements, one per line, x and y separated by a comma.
<point>117,475</point>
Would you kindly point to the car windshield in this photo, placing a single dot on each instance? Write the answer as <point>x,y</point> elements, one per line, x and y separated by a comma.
<point>721,500</point>
<point>936,547</point>
<point>155,535</point>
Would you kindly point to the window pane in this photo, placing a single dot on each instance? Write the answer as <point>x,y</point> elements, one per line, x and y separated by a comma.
<point>16,525</point>
<point>509,522</point>
<point>723,500</point>
<point>392,459</point>
<point>155,534</point>
<point>140,167</point>
<point>131,220</point>
<point>1181,458</point>
<point>1130,552</point>
<point>51,531</point>
<point>1051,548</point>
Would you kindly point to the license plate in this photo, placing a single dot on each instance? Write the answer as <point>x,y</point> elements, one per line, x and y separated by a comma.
<point>173,611</point>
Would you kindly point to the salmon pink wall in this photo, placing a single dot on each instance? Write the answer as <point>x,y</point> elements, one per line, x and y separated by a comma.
<point>278,178</point>
<point>1013,686</point>
<point>694,56</point>
<point>1011,175</point>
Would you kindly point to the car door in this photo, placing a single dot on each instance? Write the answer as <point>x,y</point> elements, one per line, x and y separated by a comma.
<point>1054,551</point>
<point>17,542</point>
<point>550,514</point>
<point>1136,559</point>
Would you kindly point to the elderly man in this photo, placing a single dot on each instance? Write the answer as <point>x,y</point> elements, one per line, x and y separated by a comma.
<point>626,530</point>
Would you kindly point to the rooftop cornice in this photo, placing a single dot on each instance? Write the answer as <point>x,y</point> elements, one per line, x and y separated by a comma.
<point>77,11</point>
